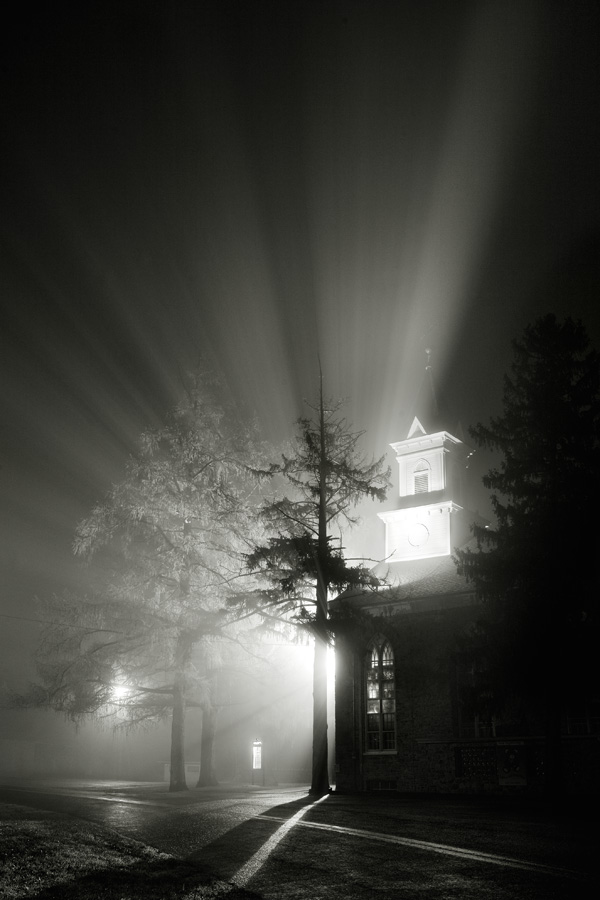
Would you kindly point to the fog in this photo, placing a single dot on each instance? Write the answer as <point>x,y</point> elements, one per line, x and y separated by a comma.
<point>273,187</point>
<point>275,708</point>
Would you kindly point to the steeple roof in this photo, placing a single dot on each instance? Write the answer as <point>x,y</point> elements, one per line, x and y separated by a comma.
<point>415,428</point>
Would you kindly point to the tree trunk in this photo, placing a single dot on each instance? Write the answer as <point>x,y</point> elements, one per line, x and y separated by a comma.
<point>207,746</point>
<point>320,777</point>
<point>178,781</point>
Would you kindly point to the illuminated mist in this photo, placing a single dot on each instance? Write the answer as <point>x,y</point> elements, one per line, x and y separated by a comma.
<point>263,185</point>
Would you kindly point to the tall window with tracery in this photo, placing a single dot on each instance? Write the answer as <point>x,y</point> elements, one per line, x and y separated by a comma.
<point>381,697</point>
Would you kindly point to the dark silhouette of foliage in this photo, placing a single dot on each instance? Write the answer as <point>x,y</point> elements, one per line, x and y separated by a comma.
<point>535,570</point>
<point>304,559</point>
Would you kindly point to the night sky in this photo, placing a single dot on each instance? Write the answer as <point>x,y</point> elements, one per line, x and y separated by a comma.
<point>261,184</point>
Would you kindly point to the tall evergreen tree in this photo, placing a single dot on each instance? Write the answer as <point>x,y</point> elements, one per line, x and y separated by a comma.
<point>536,571</point>
<point>165,550</point>
<point>304,560</point>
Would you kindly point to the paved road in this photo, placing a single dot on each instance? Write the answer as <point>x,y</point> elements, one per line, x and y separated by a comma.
<point>281,844</point>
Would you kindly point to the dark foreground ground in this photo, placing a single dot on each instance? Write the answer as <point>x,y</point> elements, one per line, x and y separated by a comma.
<point>126,840</point>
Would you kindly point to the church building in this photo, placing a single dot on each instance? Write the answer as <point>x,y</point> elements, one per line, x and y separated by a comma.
<point>404,713</point>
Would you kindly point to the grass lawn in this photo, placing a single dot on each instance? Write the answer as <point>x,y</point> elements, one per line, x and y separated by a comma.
<point>49,855</point>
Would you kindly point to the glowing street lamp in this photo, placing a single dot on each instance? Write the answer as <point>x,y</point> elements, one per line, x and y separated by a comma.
<point>119,692</point>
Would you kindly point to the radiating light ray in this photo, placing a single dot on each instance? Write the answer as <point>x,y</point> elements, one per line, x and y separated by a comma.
<point>215,187</point>
<point>398,241</point>
<point>491,101</point>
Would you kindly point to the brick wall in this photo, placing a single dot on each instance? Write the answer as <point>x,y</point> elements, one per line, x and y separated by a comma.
<point>434,752</point>
<point>422,647</point>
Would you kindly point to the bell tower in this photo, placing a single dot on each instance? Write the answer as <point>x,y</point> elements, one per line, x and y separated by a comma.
<point>430,520</point>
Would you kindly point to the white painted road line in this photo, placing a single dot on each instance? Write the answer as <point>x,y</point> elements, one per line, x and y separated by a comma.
<point>251,867</point>
<point>445,849</point>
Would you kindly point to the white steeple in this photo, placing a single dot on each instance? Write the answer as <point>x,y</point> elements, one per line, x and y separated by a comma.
<point>430,520</point>
<point>429,469</point>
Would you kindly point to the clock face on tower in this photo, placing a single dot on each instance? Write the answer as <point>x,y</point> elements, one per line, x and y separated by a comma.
<point>418,535</point>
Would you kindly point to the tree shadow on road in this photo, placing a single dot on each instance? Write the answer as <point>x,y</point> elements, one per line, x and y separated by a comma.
<point>224,856</point>
<point>204,875</point>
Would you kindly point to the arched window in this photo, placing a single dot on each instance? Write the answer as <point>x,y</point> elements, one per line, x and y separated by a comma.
<point>380,697</point>
<point>421,477</point>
